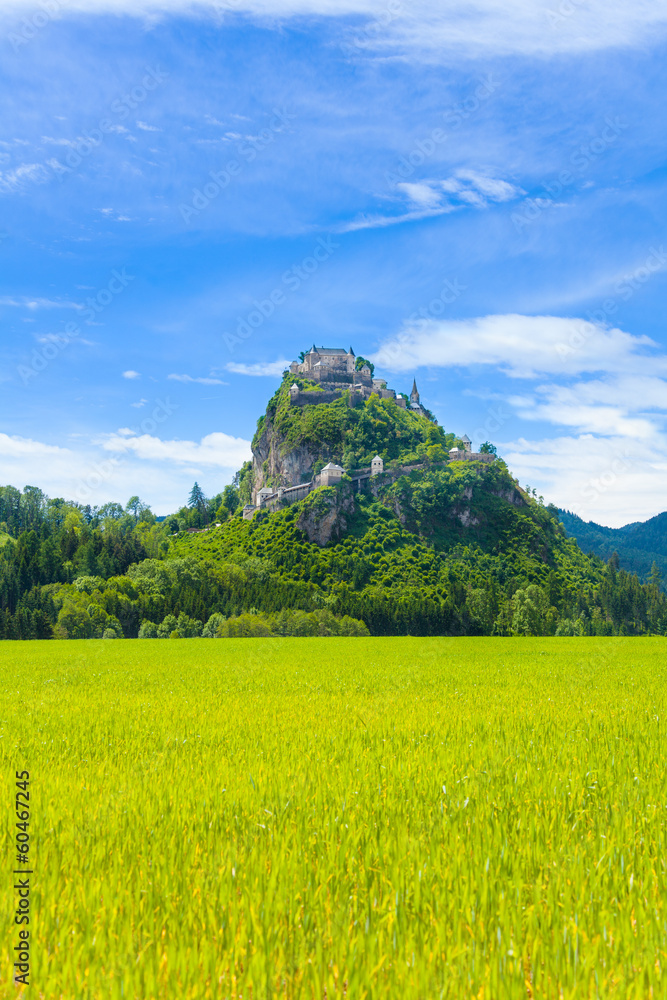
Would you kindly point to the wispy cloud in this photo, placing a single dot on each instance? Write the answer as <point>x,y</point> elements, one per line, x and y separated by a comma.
<point>200,381</point>
<point>522,346</point>
<point>267,368</point>
<point>427,198</point>
<point>428,26</point>
<point>131,374</point>
<point>22,176</point>
<point>23,302</point>
<point>219,450</point>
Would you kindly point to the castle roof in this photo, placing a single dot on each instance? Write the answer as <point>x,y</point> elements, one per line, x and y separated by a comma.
<point>415,391</point>
<point>378,459</point>
<point>466,438</point>
<point>329,350</point>
<point>331,466</point>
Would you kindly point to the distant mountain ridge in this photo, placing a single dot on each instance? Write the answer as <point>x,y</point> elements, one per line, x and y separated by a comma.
<point>639,544</point>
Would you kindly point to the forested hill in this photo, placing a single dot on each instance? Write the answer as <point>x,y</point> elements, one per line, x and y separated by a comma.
<point>292,443</point>
<point>448,548</point>
<point>455,549</point>
<point>641,546</point>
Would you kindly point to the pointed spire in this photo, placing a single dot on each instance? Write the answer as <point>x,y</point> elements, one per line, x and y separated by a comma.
<point>414,386</point>
<point>352,353</point>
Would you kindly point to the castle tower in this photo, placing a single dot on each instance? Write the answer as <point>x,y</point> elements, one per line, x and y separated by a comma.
<point>467,443</point>
<point>377,466</point>
<point>414,395</point>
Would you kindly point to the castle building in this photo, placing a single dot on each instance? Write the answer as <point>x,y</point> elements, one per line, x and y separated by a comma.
<point>330,364</point>
<point>331,474</point>
<point>335,370</point>
<point>415,401</point>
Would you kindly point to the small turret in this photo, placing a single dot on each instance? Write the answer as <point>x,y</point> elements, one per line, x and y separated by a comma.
<point>414,395</point>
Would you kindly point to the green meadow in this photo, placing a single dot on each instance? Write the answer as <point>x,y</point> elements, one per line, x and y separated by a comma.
<point>340,817</point>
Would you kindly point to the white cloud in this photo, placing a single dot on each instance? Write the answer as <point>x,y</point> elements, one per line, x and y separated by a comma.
<point>27,173</point>
<point>490,187</point>
<point>628,406</point>
<point>138,405</point>
<point>532,27</point>
<point>19,447</point>
<point>612,481</point>
<point>200,381</point>
<point>23,302</point>
<point>131,374</point>
<point>522,346</point>
<point>268,368</point>
<point>148,128</point>
<point>421,194</point>
<point>122,464</point>
<point>428,198</point>
<point>382,221</point>
<point>218,449</point>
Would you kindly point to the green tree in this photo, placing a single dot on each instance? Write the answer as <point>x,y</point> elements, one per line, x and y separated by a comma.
<point>488,449</point>
<point>197,501</point>
<point>364,361</point>
<point>135,507</point>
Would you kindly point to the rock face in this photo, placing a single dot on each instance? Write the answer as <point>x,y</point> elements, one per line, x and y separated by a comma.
<point>285,467</point>
<point>325,514</point>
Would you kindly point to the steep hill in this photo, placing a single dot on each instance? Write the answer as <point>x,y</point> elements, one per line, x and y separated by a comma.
<point>639,545</point>
<point>457,549</point>
<point>292,443</point>
<point>431,546</point>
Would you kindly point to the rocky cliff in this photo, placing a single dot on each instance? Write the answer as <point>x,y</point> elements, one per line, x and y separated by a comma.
<point>293,443</point>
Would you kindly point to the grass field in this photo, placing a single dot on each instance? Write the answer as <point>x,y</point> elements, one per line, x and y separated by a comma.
<point>368,818</point>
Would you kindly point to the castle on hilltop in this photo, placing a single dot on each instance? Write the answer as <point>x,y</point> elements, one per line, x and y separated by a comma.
<point>336,371</point>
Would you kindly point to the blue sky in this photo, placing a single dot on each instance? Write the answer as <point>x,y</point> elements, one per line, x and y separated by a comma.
<point>474,196</point>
